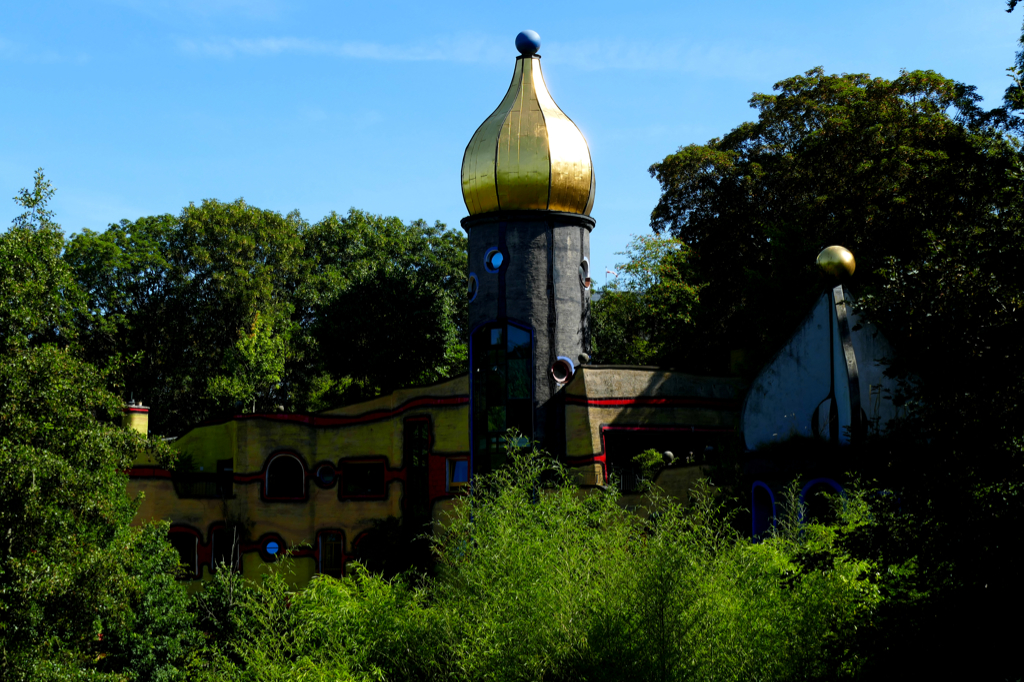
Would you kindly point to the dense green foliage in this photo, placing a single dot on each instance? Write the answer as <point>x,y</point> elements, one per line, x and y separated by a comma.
<point>80,590</point>
<point>383,306</point>
<point>230,307</point>
<point>641,319</point>
<point>930,208</point>
<point>223,307</point>
<point>536,581</point>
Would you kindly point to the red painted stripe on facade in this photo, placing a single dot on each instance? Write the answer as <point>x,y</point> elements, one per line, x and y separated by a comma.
<point>154,472</point>
<point>602,458</point>
<point>652,402</point>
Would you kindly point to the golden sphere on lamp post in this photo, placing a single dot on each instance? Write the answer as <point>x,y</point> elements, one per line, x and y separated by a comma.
<point>837,262</point>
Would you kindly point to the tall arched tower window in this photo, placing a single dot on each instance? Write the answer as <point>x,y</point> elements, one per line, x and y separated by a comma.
<point>502,387</point>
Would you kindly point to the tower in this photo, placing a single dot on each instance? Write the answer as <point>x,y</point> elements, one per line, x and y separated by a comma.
<point>528,184</point>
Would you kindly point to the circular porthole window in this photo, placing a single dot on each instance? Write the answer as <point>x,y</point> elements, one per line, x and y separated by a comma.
<point>473,287</point>
<point>585,273</point>
<point>324,476</point>
<point>493,259</point>
<point>270,547</point>
<point>561,370</point>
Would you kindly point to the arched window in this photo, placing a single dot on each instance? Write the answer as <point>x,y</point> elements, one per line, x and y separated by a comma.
<point>186,541</point>
<point>502,379</point>
<point>818,508</point>
<point>285,479</point>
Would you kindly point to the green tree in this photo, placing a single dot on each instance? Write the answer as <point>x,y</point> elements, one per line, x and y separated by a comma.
<point>538,582</point>
<point>128,282</point>
<point>178,295</point>
<point>229,307</point>
<point>253,367</point>
<point>383,307</point>
<point>80,588</point>
<point>873,164</point>
<point>644,317</point>
<point>39,301</point>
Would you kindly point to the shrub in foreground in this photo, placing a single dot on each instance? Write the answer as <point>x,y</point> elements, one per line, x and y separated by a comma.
<point>539,580</point>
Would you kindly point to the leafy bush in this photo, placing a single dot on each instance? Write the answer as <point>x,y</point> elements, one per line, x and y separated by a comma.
<point>539,580</point>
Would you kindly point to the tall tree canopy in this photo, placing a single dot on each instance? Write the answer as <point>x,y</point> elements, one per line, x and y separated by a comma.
<point>79,587</point>
<point>645,314</point>
<point>383,307</point>
<point>177,295</point>
<point>930,208</point>
<point>231,307</point>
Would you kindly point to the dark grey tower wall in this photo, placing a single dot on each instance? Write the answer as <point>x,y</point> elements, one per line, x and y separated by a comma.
<point>538,285</point>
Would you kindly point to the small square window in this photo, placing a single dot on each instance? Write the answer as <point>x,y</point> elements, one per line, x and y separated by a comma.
<point>458,474</point>
<point>363,479</point>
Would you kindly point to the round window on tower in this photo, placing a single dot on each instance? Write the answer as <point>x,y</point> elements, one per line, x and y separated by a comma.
<point>585,273</point>
<point>493,259</point>
<point>561,370</point>
<point>474,285</point>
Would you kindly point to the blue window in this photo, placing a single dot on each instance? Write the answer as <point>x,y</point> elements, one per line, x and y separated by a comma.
<point>458,474</point>
<point>493,259</point>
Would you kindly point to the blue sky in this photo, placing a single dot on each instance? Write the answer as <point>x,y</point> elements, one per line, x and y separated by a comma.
<point>137,107</point>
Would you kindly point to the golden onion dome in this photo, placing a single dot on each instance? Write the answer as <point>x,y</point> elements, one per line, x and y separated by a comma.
<point>528,155</point>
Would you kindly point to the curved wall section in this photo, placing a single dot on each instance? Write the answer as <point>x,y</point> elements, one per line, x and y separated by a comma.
<point>537,287</point>
<point>804,391</point>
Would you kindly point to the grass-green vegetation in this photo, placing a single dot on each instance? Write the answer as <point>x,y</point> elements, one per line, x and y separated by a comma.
<point>538,580</point>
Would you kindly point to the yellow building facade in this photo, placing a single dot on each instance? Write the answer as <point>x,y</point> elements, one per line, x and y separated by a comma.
<point>251,486</point>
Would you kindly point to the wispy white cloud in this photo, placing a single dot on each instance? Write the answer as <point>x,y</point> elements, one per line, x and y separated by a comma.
<point>719,59</point>
<point>469,50</point>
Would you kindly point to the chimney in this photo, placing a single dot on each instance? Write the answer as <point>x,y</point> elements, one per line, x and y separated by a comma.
<point>136,416</point>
